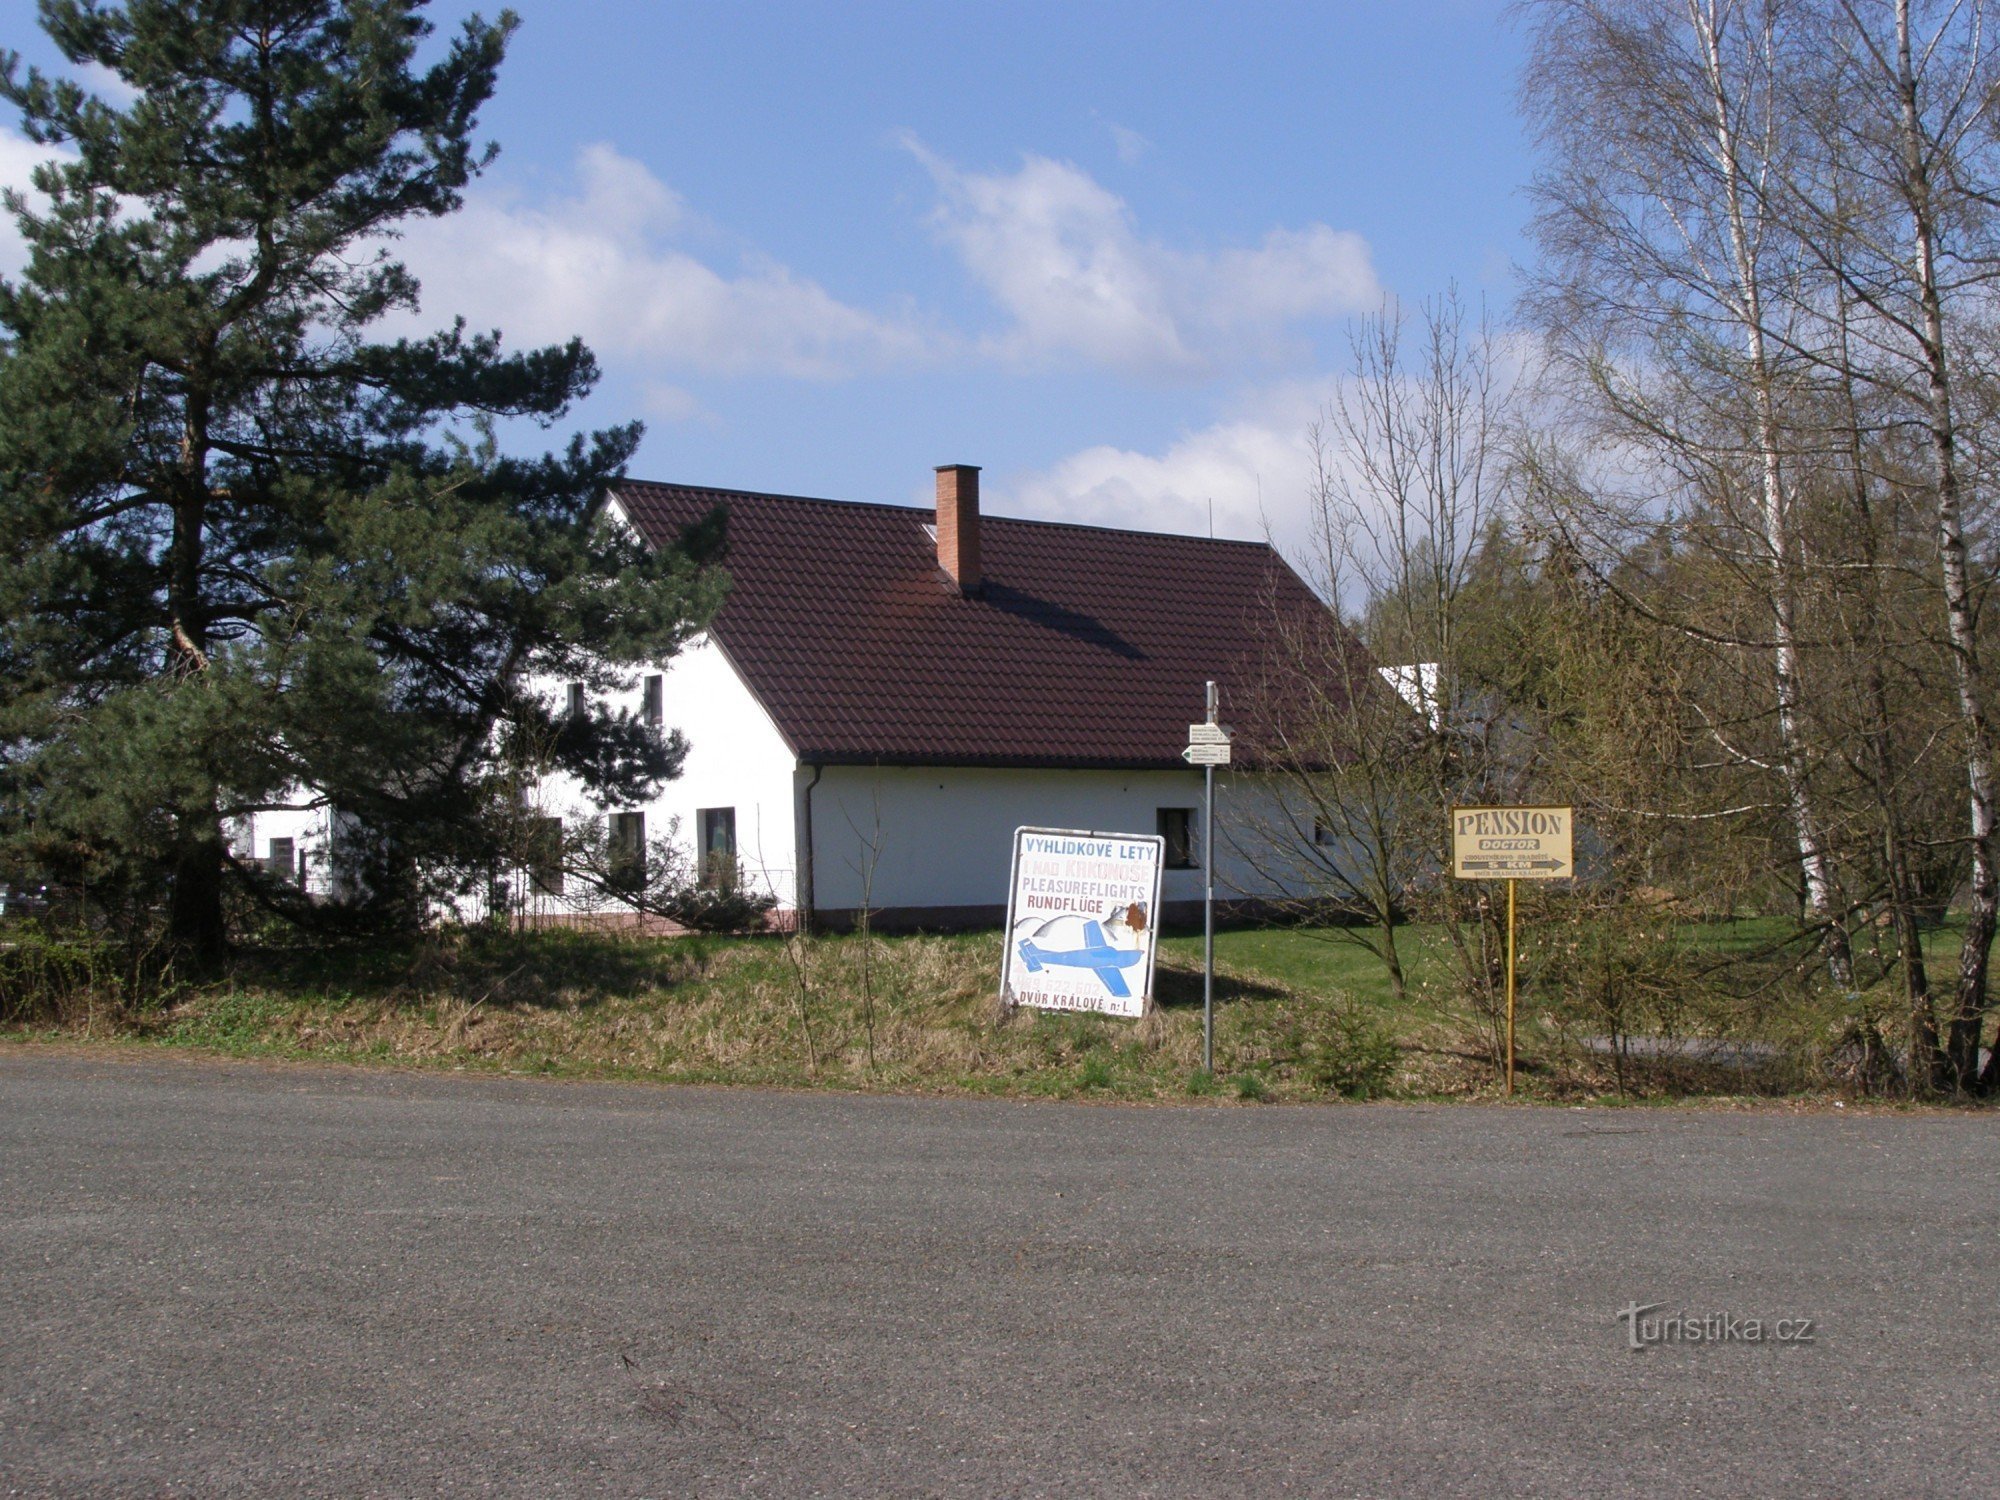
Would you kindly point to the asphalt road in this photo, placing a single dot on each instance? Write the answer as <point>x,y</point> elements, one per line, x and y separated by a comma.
<point>230,1279</point>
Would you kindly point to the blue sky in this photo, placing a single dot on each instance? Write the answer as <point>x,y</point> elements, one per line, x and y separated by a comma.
<point>1106,251</point>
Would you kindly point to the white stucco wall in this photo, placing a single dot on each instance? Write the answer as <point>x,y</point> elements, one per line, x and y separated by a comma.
<point>736,759</point>
<point>945,837</point>
<point>311,831</point>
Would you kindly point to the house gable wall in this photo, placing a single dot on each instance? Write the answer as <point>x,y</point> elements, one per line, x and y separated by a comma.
<point>736,759</point>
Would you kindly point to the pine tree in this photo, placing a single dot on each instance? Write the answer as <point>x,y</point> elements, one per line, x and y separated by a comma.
<point>244,548</point>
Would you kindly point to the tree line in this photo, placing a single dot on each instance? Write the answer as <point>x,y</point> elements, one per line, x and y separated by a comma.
<point>1702,542</point>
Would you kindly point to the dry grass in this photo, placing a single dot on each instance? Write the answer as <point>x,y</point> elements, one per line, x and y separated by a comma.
<point>778,1011</point>
<point>741,1010</point>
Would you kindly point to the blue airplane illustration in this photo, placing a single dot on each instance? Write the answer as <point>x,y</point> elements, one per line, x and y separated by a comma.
<point>1097,954</point>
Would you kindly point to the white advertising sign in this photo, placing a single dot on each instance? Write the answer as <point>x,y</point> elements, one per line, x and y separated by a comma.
<point>1082,910</point>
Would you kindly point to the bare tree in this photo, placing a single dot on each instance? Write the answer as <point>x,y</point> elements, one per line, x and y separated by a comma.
<point>867,861</point>
<point>1373,728</point>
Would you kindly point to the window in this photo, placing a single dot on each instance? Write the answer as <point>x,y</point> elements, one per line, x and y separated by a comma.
<point>283,862</point>
<point>717,827</point>
<point>1177,828</point>
<point>655,702</point>
<point>1324,836</point>
<point>545,868</point>
<point>576,704</point>
<point>628,849</point>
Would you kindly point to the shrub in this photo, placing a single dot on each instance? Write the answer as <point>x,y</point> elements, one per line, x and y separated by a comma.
<point>59,976</point>
<point>1331,1047</point>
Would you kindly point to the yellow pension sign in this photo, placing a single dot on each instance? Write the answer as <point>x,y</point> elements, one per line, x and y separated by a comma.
<point>1512,843</point>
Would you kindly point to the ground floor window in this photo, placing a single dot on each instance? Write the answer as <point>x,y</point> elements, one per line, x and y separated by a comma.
<point>716,827</point>
<point>545,851</point>
<point>1177,828</point>
<point>628,848</point>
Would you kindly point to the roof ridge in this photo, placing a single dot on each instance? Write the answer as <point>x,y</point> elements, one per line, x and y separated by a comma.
<point>924,510</point>
<point>1167,536</point>
<point>712,489</point>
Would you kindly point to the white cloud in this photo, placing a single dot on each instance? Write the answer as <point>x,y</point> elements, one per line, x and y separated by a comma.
<point>106,84</point>
<point>601,265</point>
<point>1256,464</point>
<point>1062,257</point>
<point>671,403</point>
<point>1130,144</point>
<point>19,157</point>
<point>1253,466</point>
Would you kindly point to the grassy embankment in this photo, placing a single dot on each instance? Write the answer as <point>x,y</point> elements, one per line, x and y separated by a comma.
<point>1299,1016</point>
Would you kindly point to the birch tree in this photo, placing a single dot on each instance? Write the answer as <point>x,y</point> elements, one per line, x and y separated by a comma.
<point>1671,297</point>
<point>1895,199</point>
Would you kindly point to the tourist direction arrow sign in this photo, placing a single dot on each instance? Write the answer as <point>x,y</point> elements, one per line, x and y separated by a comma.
<point>1512,843</point>
<point>1208,734</point>
<point>1206,755</point>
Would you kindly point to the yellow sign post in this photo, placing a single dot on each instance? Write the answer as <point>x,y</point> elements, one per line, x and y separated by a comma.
<point>1510,844</point>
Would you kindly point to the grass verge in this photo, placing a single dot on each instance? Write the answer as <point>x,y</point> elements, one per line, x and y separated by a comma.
<point>1298,1018</point>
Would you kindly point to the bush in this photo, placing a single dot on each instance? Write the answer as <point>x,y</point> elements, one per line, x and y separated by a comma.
<point>1331,1047</point>
<point>59,976</point>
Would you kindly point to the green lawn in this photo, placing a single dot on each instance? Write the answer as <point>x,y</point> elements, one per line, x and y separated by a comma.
<point>1326,960</point>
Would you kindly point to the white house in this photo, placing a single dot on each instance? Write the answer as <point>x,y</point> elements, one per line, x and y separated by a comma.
<point>888,692</point>
<point>292,844</point>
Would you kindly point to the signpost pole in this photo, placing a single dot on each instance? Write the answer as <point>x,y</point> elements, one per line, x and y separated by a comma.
<point>1510,988</point>
<point>1208,908</point>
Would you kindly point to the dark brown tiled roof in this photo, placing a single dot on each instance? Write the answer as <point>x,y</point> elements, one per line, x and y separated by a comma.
<point>1086,647</point>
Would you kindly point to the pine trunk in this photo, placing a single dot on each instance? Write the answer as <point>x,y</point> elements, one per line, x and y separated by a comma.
<point>196,932</point>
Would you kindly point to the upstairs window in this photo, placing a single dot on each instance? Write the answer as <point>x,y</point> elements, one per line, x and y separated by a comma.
<point>283,862</point>
<point>576,703</point>
<point>1177,828</point>
<point>653,704</point>
<point>716,827</point>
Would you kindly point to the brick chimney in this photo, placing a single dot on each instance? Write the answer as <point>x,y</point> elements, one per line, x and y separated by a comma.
<point>958,525</point>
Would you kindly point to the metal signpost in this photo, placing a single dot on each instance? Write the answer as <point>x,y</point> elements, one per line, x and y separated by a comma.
<point>1510,844</point>
<point>1208,747</point>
